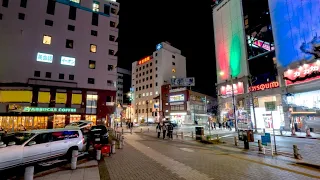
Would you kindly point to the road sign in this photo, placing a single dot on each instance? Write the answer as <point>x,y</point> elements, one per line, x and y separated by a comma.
<point>270,106</point>
<point>266,139</point>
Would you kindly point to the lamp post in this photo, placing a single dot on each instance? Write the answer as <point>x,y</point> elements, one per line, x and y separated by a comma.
<point>130,99</point>
<point>233,101</point>
<point>147,102</point>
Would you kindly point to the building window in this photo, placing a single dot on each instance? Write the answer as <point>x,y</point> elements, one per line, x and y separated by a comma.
<point>147,78</point>
<point>150,70</point>
<point>71,77</point>
<point>90,80</point>
<point>156,68</point>
<point>48,74</point>
<point>173,63</point>
<point>110,83</point>
<point>156,83</point>
<point>113,11</point>
<point>92,64</point>
<point>46,39</point>
<point>112,24</point>
<point>21,16</point>
<point>173,77</point>
<point>173,57</point>
<point>95,19</point>
<point>51,6</point>
<point>143,80</point>
<point>48,22</point>
<point>111,38</point>
<point>110,67</point>
<point>95,6</point>
<point>36,74</point>
<point>71,27</point>
<point>23,3</point>
<point>173,70</point>
<point>69,43</point>
<point>150,85</point>
<point>156,54</point>
<point>150,64</point>
<point>1,16</point>
<point>93,48</point>
<point>147,86</point>
<point>94,33</point>
<point>72,13</point>
<point>150,77</point>
<point>5,3</point>
<point>106,9</point>
<point>143,73</point>
<point>91,104</point>
<point>142,87</point>
<point>139,88</point>
<point>111,52</point>
<point>136,82</point>
<point>156,61</point>
<point>61,76</point>
<point>150,92</point>
<point>139,68</point>
<point>156,75</point>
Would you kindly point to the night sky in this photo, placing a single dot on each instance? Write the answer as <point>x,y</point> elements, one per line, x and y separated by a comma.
<point>187,25</point>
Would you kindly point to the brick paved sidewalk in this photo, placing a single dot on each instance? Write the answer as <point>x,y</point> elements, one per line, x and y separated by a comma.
<point>86,171</point>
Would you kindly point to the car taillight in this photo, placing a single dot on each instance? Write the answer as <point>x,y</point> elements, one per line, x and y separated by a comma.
<point>83,141</point>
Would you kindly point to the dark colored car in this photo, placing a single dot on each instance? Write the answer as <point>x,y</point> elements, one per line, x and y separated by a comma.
<point>99,134</point>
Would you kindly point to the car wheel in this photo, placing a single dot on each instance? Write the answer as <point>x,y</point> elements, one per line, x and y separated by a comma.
<point>69,153</point>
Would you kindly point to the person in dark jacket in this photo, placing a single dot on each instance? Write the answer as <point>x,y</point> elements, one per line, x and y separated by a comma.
<point>170,131</point>
<point>164,130</point>
<point>158,129</point>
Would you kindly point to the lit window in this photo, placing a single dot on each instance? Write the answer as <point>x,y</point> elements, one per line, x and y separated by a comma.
<point>92,64</point>
<point>150,93</point>
<point>142,102</point>
<point>95,6</point>
<point>143,94</point>
<point>173,77</point>
<point>150,100</point>
<point>76,1</point>
<point>173,70</point>
<point>147,94</point>
<point>139,103</point>
<point>93,48</point>
<point>46,39</point>
<point>157,92</point>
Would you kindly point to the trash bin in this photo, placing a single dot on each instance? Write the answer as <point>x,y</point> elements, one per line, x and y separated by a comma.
<point>199,133</point>
<point>250,135</point>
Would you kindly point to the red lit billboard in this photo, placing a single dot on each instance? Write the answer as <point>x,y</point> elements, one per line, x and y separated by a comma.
<point>302,74</point>
<point>264,86</point>
<point>227,90</point>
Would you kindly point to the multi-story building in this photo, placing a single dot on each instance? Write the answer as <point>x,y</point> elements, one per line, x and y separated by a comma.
<point>149,74</point>
<point>183,106</point>
<point>58,60</point>
<point>123,85</point>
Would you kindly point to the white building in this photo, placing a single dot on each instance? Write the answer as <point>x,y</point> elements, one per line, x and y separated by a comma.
<point>58,49</point>
<point>149,74</point>
<point>122,82</point>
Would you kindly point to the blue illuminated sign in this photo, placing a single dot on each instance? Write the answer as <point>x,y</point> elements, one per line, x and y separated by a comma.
<point>69,61</point>
<point>43,57</point>
<point>296,31</point>
<point>159,46</point>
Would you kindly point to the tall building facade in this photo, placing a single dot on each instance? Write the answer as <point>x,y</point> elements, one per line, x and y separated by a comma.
<point>149,74</point>
<point>58,60</point>
<point>123,86</point>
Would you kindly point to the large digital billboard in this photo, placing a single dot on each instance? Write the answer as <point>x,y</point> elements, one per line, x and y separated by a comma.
<point>296,31</point>
<point>229,40</point>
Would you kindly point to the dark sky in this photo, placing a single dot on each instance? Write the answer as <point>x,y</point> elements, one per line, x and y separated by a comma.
<point>187,25</point>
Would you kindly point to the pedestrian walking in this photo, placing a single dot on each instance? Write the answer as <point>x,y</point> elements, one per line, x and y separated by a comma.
<point>158,129</point>
<point>170,130</point>
<point>164,130</point>
<point>214,125</point>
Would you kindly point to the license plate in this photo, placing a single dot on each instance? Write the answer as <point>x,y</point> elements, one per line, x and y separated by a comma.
<point>97,139</point>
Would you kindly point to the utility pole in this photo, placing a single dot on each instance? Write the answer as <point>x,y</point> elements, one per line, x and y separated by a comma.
<point>234,105</point>
<point>147,102</point>
<point>253,106</point>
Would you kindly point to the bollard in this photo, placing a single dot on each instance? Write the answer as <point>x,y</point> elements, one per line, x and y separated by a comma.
<point>235,141</point>
<point>177,135</point>
<point>263,150</point>
<point>192,134</point>
<point>293,131</point>
<point>260,145</point>
<point>28,173</point>
<point>122,131</point>
<point>98,155</point>
<point>122,140</point>
<point>141,130</point>
<point>308,132</point>
<point>120,144</point>
<point>74,159</point>
<point>113,148</point>
<point>148,129</point>
<point>264,130</point>
<point>181,135</point>
<point>130,130</point>
<point>296,152</point>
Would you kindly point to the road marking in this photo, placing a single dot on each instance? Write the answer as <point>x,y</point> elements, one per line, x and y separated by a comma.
<point>176,167</point>
<point>187,149</point>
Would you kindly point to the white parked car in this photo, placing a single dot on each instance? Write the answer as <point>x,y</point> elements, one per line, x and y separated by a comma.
<point>38,145</point>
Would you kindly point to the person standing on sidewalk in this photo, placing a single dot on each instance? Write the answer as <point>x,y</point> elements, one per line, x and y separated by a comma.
<point>170,130</point>
<point>158,129</point>
<point>164,130</point>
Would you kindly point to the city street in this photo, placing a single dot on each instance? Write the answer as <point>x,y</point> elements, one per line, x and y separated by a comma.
<point>146,157</point>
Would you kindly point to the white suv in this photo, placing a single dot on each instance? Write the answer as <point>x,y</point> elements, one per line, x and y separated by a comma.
<point>38,145</point>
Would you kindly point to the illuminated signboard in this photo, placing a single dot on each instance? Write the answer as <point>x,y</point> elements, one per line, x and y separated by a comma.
<point>159,46</point>
<point>176,98</point>
<point>261,87</point>
<point>254,42</point>
<point>295,31</point>
<point>302,74</point>
<point>69,61</point>
<point>44,110</point>
<point>144,60</point>
<point>227,90</point>
<point>43,57</point>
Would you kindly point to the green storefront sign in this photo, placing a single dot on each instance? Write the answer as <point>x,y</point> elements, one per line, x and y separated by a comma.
<point>49,110</point>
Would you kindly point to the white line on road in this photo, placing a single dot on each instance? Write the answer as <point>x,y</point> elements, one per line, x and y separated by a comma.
<point>187,149</point>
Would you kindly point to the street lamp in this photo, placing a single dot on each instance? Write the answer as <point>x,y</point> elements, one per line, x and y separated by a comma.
<point>130,99</point>
<point>147,102</point>
<point>233,101</point>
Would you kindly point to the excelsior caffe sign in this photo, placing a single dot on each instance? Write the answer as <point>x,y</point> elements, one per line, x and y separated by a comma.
<point>261,87</point>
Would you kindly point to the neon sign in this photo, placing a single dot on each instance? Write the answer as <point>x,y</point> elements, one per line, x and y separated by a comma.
<point>43,110</point>
<point>261,87</point>
<point>302,74</point>
<point>159,46</point>
<point>258,43</point>
<point>176,98</point>
<point>69,61</point>
<point>144,60</point>
<point>44,57</point>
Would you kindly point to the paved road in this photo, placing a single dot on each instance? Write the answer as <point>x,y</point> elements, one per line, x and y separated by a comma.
<point>148,158</point>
